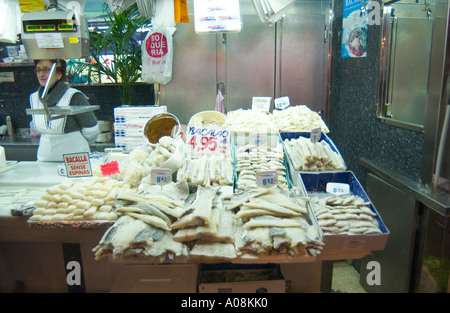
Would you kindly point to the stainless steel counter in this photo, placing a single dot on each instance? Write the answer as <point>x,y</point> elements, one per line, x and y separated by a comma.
<point>438,201</point>
<point>24,148</point>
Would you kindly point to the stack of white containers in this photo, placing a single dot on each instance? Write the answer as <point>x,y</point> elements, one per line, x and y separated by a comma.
<point>129,122</point>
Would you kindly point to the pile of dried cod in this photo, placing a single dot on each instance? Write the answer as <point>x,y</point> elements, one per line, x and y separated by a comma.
<point>167,224</point>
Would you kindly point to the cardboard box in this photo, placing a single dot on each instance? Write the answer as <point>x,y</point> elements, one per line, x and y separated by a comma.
<point>129,143</point>
<point>317,182</point>
<point>293,173</point>
<point>145,111</point>
<point>172,278</point>
<point>242,281</point>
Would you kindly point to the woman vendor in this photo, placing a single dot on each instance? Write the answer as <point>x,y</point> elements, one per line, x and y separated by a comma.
<point>69,134</point>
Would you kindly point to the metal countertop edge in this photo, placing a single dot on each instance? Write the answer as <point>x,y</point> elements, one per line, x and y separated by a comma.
<point>438,201</point>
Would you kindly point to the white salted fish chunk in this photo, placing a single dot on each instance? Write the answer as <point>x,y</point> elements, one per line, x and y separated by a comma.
<point>270,221</point>
<point>151,220</point>
<point>207,250</point>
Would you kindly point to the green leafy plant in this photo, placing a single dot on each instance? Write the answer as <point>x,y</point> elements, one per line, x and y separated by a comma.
<point>124,67</point>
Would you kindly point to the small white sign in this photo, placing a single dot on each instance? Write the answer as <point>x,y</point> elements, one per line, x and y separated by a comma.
<point>257,139</point>
<point>217,16</point>
<point>315,135</point>
<point>261,103</point>
<point>281,103</point>
<point>78,164</point>
<point>266,178</point>
<point>7,77</point>
<point>160,176</point>
<point>338,188</point>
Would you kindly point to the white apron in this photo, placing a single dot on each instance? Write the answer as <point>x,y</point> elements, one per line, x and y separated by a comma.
<point>53,146</point>
<point>54,142</point>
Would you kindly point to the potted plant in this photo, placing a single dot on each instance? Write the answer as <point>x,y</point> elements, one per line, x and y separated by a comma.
<point>117,41</point>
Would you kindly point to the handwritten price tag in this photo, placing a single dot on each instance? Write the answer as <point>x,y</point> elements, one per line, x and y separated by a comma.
<point>338,188</point>
<point>266,178</point>
<point>281,103</point>
<point>257,139</point>
<point>160,176</point>
<point>315,135</point>
<point>207,140</point>
<point>261,103</point>
<point>110,168</point>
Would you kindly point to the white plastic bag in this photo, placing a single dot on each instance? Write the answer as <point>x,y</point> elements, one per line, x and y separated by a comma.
<point>10,20</point>
<point>157,55</point>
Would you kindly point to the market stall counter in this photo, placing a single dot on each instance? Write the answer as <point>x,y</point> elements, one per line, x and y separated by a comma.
<point>36,257</point>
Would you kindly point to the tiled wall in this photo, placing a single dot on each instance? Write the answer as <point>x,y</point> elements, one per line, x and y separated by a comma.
<point>14,97</point>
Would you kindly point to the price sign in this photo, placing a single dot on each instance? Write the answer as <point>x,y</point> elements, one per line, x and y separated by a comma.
<point>266,178</point>
<point>257,139</point>
<point>338,188</point>
<point>315,135</point>
<point>202,140</point>
<point>281,103</point>
<point>110,168</point>
<point>78,164</point>
<point>160,176</point>
<point>261,103</point>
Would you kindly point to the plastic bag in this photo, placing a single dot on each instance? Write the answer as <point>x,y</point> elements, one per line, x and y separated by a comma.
<point>10,21</point>
<point>164,14</point>
<point>157,55</point>
<point>32,6</point>
<point>181,11</point>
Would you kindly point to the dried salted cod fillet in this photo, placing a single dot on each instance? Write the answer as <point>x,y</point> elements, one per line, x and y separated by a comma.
<point>200,209</point>
<point>249,212</point>
<point>194,233</point>
<point>105,245</point>
<point>125,235</point>
<point>177,191</point>
<point>271,221</point>
<point>256,240</point>
<point>289,203</point>
<point>164,246</point>
<point>160,201</point>
<point>258,203</point>
<point>151,220</point>
<point>205,251</point>
<point>225,227</point>
<point>239,199</point>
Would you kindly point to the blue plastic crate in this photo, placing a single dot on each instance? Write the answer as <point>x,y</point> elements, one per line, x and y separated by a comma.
<point>317,182</point>
<point>294,174</point>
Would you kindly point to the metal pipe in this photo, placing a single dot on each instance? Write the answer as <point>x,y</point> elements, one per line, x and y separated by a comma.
<point>46,88</point>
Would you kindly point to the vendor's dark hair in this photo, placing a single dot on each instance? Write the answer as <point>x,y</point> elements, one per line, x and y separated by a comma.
<point>60,66</point>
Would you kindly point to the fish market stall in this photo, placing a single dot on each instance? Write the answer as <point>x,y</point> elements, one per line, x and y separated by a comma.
<point>165,205</point>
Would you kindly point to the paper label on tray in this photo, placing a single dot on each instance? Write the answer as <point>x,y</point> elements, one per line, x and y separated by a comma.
<point>257,139</point>
<point>161,176</point>
<point>338,188</point>
<point>201,140</point>
<point>315,135</point>
<point>266,178</point>
<point>78,164</point>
